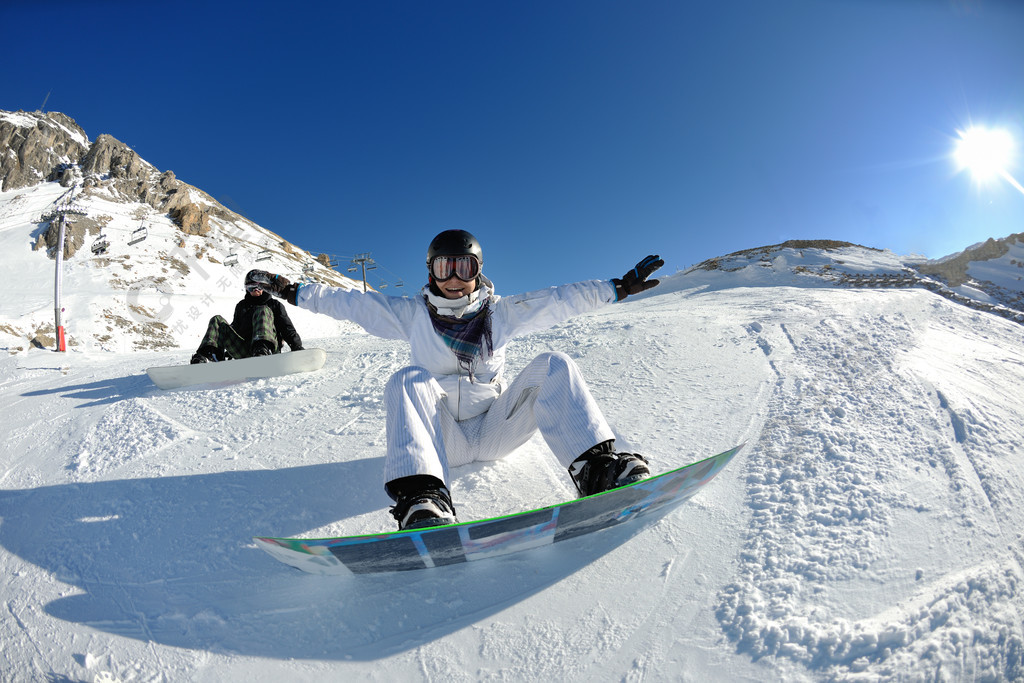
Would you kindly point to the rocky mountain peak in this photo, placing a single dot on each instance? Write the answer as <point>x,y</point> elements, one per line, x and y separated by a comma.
<point>110,157</point>
<point>38,147</point>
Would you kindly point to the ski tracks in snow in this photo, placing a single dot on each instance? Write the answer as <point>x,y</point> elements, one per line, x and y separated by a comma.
<point>836,509</point>
<point>131,430</point>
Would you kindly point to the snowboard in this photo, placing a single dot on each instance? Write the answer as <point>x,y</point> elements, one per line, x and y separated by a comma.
<point>174,376</point>
<point>648,499</point>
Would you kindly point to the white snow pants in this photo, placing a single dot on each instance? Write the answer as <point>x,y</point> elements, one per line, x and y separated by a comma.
<point>550,394</point>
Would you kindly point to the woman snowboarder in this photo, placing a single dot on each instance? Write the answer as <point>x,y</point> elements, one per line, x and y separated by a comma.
<point>453,405</point>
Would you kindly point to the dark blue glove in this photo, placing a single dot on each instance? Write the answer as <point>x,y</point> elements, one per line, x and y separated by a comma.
<point>635,281</point>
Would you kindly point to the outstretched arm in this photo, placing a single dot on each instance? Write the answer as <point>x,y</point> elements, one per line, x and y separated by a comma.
<point>383,316</point>
<point>544,308</point>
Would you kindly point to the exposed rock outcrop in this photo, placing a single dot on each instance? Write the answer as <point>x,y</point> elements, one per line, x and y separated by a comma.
<point>74,234</point>
<point>192,218</point>
<point>110,158</point>
<point>113,168</point>
<point>38,147</point>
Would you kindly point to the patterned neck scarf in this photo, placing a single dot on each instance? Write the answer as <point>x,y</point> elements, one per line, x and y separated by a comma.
<point>465,336</point>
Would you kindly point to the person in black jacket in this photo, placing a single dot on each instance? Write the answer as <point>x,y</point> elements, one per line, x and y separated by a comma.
<point>261,324</point>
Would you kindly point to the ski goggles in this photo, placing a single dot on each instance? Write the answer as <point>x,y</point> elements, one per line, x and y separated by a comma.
<point>466,268</point>
<point>254,286</point>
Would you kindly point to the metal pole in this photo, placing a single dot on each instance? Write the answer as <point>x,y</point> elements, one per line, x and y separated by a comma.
<point>363,260</point>
<point>56,286</point>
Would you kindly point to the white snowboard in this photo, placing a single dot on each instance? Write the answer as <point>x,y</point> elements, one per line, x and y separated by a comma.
<point>174,376</point>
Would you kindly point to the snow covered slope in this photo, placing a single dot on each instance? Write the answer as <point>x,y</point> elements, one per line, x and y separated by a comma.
<point>871,530</point>
<point>136,280</point>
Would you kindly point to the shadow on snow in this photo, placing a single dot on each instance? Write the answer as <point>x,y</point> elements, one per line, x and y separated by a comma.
<point>103,392</point>
<point>170,560</point>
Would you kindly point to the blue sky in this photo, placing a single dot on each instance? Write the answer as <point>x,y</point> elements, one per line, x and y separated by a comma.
<point>572,138</point>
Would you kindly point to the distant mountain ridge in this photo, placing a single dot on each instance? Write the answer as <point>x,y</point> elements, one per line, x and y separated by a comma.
<point>988,276</point>
<point>995,267</point>
<point>744,256</point>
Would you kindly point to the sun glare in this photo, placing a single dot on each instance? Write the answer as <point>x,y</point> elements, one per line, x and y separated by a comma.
<point>985,152</point>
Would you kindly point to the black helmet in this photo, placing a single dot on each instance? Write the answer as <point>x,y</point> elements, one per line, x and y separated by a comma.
<point>454,243</point>
<point>252,282</point>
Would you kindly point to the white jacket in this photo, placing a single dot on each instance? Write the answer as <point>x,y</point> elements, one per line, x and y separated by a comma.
<point>407,318</point>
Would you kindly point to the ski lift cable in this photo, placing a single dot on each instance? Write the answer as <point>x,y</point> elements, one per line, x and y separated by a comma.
<point>339,259</point>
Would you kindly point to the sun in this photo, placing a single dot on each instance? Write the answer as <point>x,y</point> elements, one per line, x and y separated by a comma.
<point>985,152</point>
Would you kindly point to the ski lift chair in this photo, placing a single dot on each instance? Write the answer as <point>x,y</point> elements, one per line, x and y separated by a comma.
<point>138,235</point>
<point>99,247</point>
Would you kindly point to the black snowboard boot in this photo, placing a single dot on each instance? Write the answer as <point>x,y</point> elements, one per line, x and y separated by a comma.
<point>261,347</point>
<point>421,501</point>
<point>601,469</point>
<point>205,354</point>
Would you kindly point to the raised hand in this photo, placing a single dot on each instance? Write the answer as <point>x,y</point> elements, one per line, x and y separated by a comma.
<point>278,285</point>
<point>635,281</point>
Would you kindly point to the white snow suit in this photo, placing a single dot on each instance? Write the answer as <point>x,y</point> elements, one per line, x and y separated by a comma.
<point>440,416</point>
